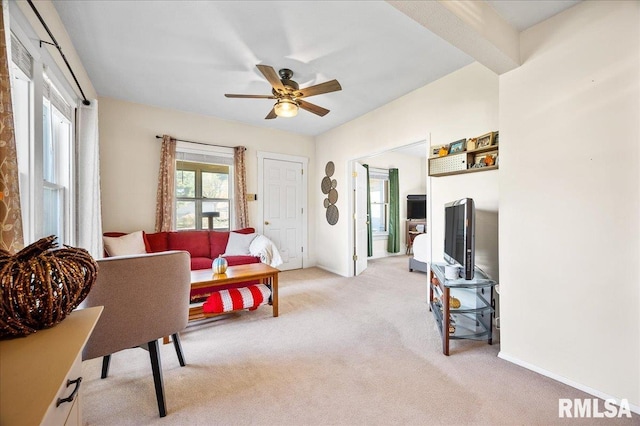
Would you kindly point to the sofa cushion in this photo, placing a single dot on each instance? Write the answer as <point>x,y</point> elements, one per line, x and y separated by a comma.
<point>238,244</point>
<point>120,234</point>
<point>157,242</point>
<point>126,244</point>
<point>218,240</point>
<point>195,242</point>
<point>200,263</point>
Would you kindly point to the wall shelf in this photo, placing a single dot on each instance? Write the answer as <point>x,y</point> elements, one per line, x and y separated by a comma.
<point>463,162</point>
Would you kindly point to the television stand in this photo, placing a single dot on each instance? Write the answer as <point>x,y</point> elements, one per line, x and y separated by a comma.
<point>471,319</point>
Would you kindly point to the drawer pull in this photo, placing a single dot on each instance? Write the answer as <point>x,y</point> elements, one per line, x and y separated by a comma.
<point>73,394</point>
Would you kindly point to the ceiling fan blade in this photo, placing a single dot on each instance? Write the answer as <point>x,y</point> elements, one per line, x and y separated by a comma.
<point>318,89</point>
<point>230,95</point>
<point>272,114</point>
<point>272,77</point>
<point>318,110</point>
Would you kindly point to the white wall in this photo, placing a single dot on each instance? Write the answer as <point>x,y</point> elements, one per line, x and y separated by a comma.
<point>569,200</point>
<point>483,188</point>
<point>462,104</point>
<point>411,180</point>
<point>130,156</point>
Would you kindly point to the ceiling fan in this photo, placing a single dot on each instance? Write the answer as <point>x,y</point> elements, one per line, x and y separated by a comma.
<point>288,94</point>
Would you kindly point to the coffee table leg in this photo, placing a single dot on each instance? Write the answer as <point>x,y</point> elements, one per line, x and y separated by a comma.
<point>274,294</point>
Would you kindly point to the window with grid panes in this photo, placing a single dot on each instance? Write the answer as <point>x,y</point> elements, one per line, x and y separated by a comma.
<point>46,179</point>
<point>379,194</point>
<point>202,188</point>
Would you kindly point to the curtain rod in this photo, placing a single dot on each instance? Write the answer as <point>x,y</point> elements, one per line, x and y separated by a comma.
<point>55,43</point>
<point>201,143</point>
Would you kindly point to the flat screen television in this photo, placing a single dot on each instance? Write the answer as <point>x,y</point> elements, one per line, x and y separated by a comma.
<point>416,206</point>
<point>459,235</point>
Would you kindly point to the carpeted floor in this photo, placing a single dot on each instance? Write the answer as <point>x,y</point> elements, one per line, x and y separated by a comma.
<point>344,351</point>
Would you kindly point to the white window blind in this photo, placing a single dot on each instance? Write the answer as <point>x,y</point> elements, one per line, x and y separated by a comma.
<point>56,99</point>
<point>203,158</point>
<point>21,57</point>
<point>378,173</point>
<point>201,153</point>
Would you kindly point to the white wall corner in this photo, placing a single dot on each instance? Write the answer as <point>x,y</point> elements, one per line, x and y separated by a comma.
<point>561,379</point>
<point>472,26</point>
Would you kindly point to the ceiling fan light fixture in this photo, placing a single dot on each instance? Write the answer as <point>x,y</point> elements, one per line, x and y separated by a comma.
<point>285,108</point>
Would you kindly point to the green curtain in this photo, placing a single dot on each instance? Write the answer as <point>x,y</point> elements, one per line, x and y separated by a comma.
<point>369,229</point>
<point>393,243</point>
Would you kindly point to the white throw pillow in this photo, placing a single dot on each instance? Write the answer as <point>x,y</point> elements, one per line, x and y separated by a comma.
<point>125,245</point>
<point>238,244</point>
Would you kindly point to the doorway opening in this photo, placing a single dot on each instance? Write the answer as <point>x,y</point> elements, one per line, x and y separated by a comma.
<point>411,162</point>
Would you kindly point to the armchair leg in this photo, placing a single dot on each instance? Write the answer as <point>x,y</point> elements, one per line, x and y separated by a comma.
<point>105,366</point>
<point>156,367</point>
<point>178,346</point>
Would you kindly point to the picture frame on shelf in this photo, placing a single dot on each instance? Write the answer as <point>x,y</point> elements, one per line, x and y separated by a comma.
<point>457,146</point>
<point>485,140</point>
<point>435,150</point>
<point>495,138</point>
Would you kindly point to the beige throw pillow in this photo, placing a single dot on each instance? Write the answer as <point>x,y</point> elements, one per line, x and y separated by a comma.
<point>238,244</point>
<point>125,245</point>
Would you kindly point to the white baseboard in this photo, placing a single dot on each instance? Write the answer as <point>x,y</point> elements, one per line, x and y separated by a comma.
<point>328,269</point>
<point>579,386</point>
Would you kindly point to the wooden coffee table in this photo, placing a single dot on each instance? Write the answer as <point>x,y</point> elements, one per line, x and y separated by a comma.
<point>205,278</point>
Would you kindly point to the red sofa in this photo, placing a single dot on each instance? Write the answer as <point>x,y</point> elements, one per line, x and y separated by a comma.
<point>203,246</point>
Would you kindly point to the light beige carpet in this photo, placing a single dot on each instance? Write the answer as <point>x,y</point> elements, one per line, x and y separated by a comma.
<point>344,351</point>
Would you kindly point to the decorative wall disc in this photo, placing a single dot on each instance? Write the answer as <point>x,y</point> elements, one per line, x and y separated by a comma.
<point>332,214</point>
<point>333,196</point>
<point>328,187</point>
<point>329,169</point>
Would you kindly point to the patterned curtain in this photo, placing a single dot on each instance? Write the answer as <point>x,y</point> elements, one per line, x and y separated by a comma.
<point>11,238</point>
<point>369,224</point>
<point>393,243</point>
<point>166,185</point>
<point>240,188</point>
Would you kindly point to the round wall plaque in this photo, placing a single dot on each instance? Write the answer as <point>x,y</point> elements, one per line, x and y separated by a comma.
<point>329,169</point>
<point>333,196</point>
<point>325,185</point>
<point>332,214</point>
<point>328,187</point>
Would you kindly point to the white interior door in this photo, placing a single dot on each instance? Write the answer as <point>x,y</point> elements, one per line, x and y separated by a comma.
<point>360,218</point>
<point>282,209</point>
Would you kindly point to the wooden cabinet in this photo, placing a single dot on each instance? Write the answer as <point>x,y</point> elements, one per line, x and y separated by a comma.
<point>41,373</point>
<point>413,228</point>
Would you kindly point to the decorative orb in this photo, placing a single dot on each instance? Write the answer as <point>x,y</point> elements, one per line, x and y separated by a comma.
<point>41,284</point>
<point>219,265</point>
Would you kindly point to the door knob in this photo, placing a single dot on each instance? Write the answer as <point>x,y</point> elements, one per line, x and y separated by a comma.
<point>266,222</point>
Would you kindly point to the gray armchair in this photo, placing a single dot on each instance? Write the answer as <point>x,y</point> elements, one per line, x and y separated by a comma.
<point>145,297</point>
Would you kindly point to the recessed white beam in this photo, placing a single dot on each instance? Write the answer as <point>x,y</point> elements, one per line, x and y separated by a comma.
<point>472,26</point>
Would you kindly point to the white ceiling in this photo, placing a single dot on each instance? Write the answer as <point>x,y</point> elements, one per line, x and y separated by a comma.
<point>185,55</point>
